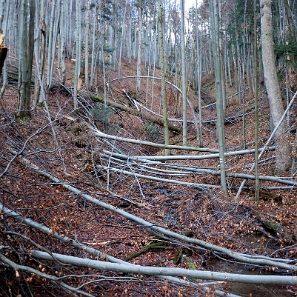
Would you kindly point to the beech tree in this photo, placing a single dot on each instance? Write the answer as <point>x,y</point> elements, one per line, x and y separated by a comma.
<point>163,73</point>
<point>26,50</point>
<point>283,146</point>
<point>214,20</point>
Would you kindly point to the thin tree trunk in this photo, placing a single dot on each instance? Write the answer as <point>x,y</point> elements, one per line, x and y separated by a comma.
<point>26,50</point>
<point>163,76</point>
<point>257,183</point>
<point>183,71</point>
<point>62,42</point>
<point>87,45</point>
<point>139,49</point>
<point>214,18</point>
<point>78,52</point>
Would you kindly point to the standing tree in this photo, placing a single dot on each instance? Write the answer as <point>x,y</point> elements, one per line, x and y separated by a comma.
<point>283,146</point>
<point>87,44</point>
<point>183,66</point>
<point>25,51</point>
<point>163,74</point>
<point>214,23</point>
<point>77,52</point>
<point>139,48</point>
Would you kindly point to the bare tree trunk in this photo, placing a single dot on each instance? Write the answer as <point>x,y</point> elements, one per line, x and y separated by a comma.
<point>87,45</point>
<point>53,32</point>
<point>62,48</point>
<point>163,72</point>
<point>5,10</point>
<point>214,18</point>
<point>139,50</point>
<point>78,51</point>
<point>26,49</point>
<point>283,147</point>
<point>183,71</point>
<point>256,71</point>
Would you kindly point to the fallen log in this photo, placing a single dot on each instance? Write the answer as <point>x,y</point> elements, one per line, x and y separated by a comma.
<point>151,227</point>
<point>148,270</point>
<point>137,113</point>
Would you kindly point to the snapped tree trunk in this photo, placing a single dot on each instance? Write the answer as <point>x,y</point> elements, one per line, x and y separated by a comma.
<point>283,146</point>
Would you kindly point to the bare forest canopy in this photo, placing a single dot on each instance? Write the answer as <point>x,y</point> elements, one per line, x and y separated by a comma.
<point>146,149</point>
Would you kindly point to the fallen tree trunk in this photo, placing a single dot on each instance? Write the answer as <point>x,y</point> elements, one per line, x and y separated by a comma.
<point>251,259</point>
<point>84,248</point>
<point>194,169</point>
<point>136,112</point>
<point>148,270</point>
<point>172,181</point>
<point>149,143</point>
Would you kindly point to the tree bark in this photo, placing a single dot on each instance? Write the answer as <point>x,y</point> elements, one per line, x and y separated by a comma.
<point>26,49</point>
<point>183,71</point>
<point>214,18</point>
<point>163,75</point>
<point>283,146</point>
<point>151,118</point>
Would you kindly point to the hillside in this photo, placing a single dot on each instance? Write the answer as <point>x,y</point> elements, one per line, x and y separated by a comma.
<point>122,192</point>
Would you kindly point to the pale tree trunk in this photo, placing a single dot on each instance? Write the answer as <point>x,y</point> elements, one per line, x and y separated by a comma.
<point>5,11</point>
<point>40,47</point>
<point>77,52</point>
<point>62,48</point>
<point>94,47</point>
<point>53,32</point>
<point>26,49</point>
<point>163,72</point>
<point>283,147</point>
<point>183,68</point>
<point>139,49</point>
<point>256,95</point>
<point>123,34</point>
<point>87,45</point>
<point>199,72</point>
<point>214,22</point>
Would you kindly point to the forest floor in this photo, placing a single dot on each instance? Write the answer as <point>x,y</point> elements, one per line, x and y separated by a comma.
<point>63,143</point>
